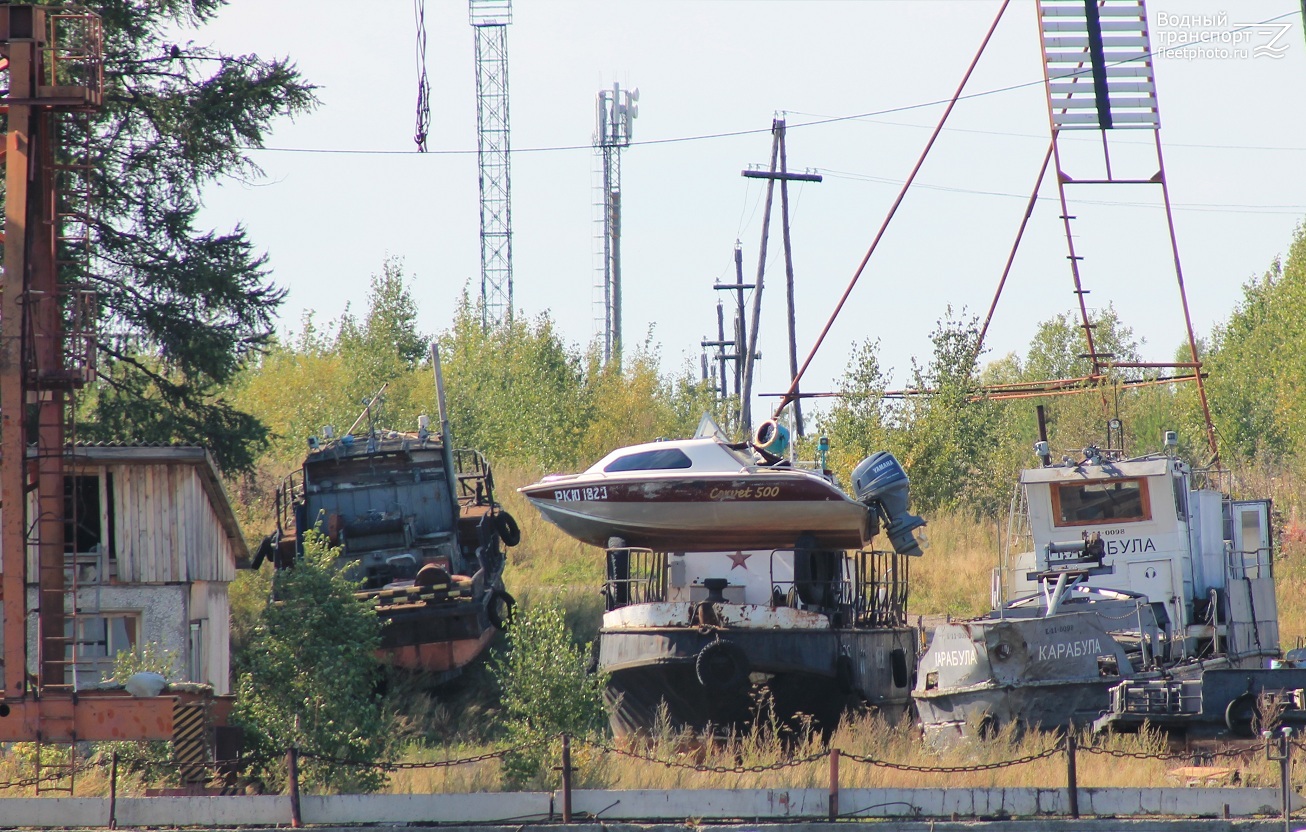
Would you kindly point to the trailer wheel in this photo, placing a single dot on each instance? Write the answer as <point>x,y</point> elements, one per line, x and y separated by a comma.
<point>722,665</point>
<point>509,532</point>
<point>499,609</point>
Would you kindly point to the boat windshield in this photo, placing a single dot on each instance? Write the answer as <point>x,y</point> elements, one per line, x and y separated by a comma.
<point>655,460</point>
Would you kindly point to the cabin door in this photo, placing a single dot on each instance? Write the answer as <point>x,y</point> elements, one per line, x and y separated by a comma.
<point>1251,535</point>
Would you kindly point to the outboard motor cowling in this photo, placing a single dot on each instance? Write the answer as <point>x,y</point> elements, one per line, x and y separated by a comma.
<point>880,482</point>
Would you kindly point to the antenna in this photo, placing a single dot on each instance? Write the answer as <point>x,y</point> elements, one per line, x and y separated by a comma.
<point>617,110</point>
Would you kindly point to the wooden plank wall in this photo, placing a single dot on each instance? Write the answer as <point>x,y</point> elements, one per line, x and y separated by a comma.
<point>166,530</point>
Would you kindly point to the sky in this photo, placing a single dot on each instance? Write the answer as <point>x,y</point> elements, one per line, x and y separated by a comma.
<point>712,74</point>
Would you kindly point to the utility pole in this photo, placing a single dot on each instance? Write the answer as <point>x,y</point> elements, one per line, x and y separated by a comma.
<point>741,325</point>
<point>783,176</point>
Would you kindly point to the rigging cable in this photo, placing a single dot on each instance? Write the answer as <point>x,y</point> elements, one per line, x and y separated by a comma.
<point>423,86</point>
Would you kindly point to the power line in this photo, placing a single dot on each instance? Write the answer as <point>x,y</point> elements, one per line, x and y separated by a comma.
<point>1234,208</point>
<point>758,130</point>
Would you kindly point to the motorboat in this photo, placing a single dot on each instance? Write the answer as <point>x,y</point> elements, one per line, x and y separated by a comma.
<point>708,494</point>
<point>1138,570</point>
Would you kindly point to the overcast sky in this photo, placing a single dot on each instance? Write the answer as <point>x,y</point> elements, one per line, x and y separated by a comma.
<point>1233,129</point>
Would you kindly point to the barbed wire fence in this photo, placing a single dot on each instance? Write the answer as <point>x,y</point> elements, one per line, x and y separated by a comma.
<point>1277,746</point>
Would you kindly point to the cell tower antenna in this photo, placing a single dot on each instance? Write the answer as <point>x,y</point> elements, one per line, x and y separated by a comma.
<point>490,19</point>
<point>617,109</point>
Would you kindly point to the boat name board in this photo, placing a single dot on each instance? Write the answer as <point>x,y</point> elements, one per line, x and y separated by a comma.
<point>1129,546</point>
<point>1068,649</point>
<point>955,658</point>
<point>578,495</point>
<point>759,492</point>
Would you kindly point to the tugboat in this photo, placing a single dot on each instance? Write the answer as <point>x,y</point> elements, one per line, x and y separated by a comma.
<point>1140,570</point>
<point>418,527</point>
<point>705,636</point>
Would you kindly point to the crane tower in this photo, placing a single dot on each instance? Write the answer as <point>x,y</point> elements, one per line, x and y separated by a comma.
<point>490,19</point>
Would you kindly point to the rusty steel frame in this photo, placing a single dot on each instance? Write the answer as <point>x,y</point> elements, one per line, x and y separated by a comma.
<point>35,389</point>
<point>791,394</point>
<point>1101,363</point>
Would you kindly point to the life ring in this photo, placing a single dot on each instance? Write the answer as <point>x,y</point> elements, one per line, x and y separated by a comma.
<point>509,532</point>
<point>499,606</point>
<point>722,665</point>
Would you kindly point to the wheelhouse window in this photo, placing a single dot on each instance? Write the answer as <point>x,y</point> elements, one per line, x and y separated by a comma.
<point>660,459</point>
<point>1110,501</point>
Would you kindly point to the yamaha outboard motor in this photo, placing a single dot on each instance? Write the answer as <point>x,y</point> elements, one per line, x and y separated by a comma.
<point>880,483</point>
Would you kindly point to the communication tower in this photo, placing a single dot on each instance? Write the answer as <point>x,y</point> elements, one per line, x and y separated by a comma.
<point>490,19</point>
<point>617,109</point>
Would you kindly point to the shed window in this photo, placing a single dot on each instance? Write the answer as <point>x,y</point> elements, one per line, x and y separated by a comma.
<point>661,459</point>
<point>97,641</point>
<point>1110,501</point>
<point>81,505</point>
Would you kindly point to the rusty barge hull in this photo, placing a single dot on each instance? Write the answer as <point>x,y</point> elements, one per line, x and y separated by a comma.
<point>700,677</point>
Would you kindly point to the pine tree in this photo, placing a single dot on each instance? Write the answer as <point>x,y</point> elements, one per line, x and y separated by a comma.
<point>181,306</point>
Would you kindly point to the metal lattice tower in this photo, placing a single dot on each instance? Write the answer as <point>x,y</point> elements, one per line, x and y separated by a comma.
<point>617,109</point>
<point>490,19</point>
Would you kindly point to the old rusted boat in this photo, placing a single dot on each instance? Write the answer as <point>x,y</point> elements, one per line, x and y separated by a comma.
<point>418,527</point>
<point>1137,570</point>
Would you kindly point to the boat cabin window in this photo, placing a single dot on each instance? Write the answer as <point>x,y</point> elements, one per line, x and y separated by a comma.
<point>1109,501</point>
<point>661,459</point>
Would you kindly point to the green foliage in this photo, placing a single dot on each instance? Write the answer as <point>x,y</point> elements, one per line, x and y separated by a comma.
<point>858,423</point>
<point>386,344</point>
<point>546,691</point>
<point>946,440</point>
<point>185,306</point>
<point>1257,385</point>
<point>308,678</point>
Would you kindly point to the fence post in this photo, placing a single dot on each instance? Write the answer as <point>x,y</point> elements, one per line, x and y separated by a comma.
<point>1282,755</point>
<point>834,784</point>
<point>566,778</point>
<point>292,771</point>
<point>1072,778</point>
<point>113,791</point>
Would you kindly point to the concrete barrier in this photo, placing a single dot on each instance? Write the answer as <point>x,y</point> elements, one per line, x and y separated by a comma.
<point>638,804</point>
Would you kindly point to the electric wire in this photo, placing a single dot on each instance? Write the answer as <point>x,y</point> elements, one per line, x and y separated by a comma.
<point>815,123</point>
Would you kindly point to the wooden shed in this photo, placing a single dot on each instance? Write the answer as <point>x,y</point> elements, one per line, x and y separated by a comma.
<point>151,546</point>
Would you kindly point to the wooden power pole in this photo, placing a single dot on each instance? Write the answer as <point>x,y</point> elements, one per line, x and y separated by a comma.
<point>783,176</point>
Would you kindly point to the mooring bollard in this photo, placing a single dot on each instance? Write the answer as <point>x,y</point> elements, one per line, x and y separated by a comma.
<point>566,778</point>
<point>1072,777</point>
<point>292,771</point>
<point>834,784</point>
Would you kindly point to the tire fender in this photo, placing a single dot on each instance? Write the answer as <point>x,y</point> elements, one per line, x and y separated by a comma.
<point>722,665</point>
<point>499,606</point>
<point>509,531</point>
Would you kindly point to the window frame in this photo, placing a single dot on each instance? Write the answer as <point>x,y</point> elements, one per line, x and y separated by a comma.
<point>1144,495</point>
<point>684,457</point>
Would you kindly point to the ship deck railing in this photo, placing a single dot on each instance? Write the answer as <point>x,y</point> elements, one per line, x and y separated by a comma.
<point>869,591</point>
